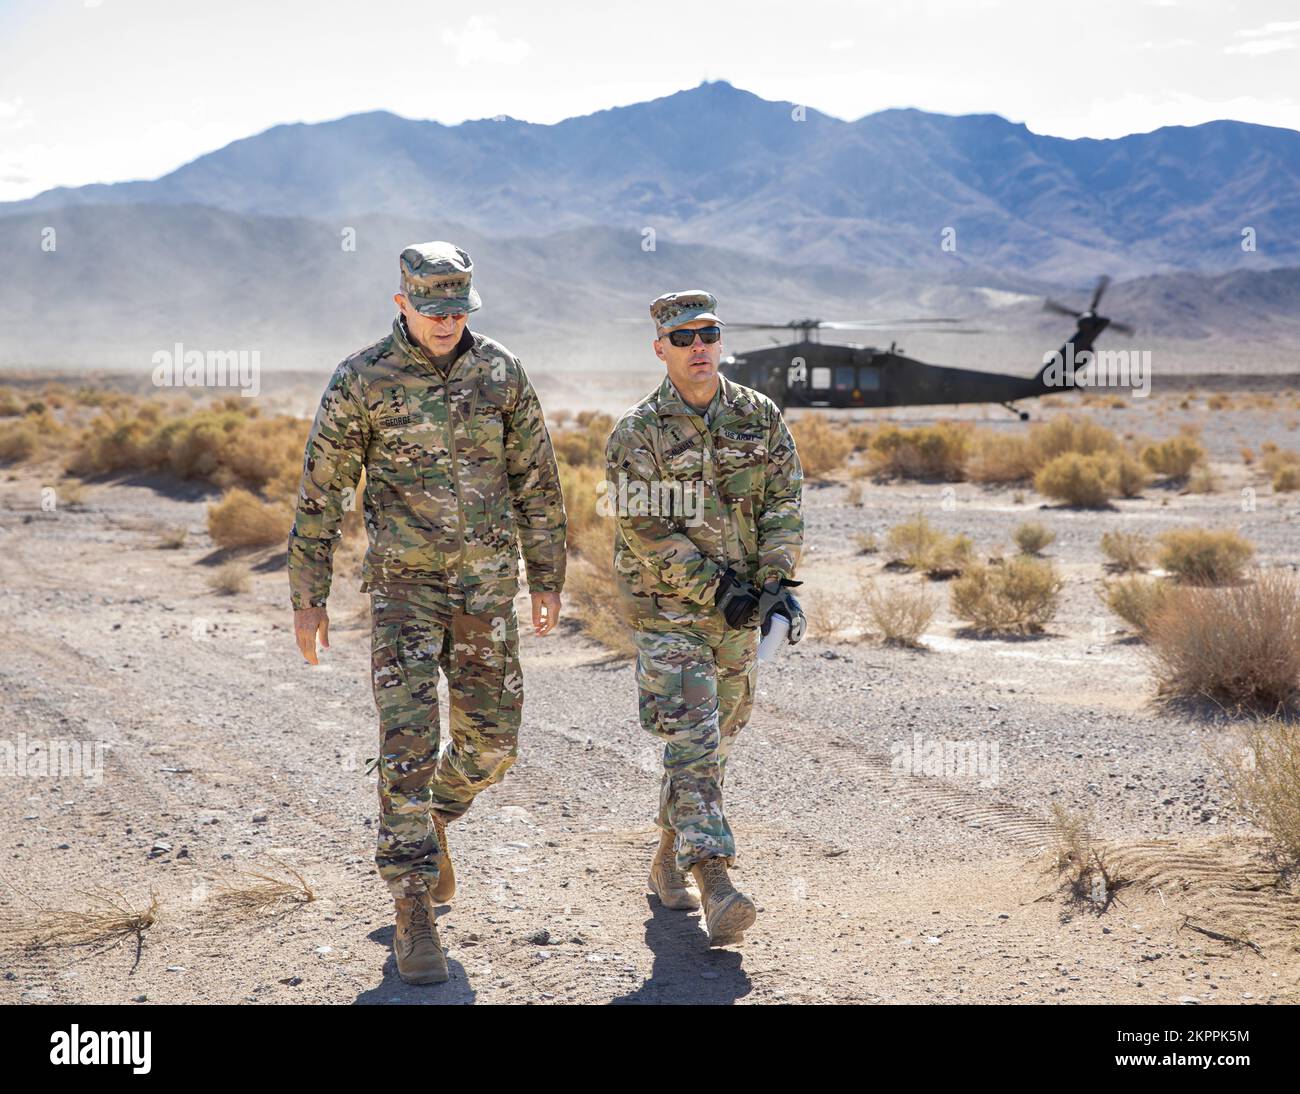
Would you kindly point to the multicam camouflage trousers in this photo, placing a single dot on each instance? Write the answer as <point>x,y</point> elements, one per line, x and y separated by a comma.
<point>412,635</point>
<point>696,685</point>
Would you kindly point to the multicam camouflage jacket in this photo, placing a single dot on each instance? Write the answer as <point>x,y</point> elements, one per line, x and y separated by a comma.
<point>459,475</point>
<point>692,500</point>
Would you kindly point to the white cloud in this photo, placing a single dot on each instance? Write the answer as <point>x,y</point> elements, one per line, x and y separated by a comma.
<point>479,41</point>
<point>1260,48</point>
<point>1268,29</point>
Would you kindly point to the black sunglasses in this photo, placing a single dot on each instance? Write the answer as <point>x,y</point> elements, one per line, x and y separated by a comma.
<point>683,338</point>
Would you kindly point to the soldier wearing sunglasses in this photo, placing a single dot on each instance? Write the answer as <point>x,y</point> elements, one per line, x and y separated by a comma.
<point>692,581</point>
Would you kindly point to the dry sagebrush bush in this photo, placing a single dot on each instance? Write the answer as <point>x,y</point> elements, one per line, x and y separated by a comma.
<point>830,615</point>
<point>1135,599</point>
<point>226,443</point>
<point>823,448</point>
<point>1205,556</point>
<point>1237,646</point>
<point>241,519</point>
<point>898,613</point>
<point>1126,552</point>
<point>19,441</point>
<point>1264,775</point>
<point>918,545</point>
<point>1020,596</point>
<point>1174,457</point>
<point>1083,481</point>
<point>585,443</point>
<point>229,579</point>
<point>1031,537</point>
<point>1064,434</point>
<point>925,452</point>
<point>998,457</point>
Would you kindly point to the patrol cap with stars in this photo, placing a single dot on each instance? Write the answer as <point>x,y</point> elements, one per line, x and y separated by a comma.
<point>438,277</point>
<point>676,309</point>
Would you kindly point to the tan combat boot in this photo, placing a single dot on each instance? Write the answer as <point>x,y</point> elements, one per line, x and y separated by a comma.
<point>667,882</point>
<point>727,913</point>
<point>420,959</point>
<point>445,888</point>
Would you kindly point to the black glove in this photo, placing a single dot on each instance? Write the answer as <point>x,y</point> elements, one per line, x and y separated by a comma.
<point>736,600</point>
<point>776,601</point>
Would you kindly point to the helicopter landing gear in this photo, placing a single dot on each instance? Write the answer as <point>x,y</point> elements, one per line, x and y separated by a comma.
<point>1023,415</point>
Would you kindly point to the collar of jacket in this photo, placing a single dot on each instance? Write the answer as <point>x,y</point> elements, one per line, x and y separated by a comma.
<point>416,354</point>
<point>670,401</point>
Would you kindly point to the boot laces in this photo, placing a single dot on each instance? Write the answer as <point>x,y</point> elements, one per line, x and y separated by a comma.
<point>676,878</point>
<point>715,873</point>
<point>421,928</point>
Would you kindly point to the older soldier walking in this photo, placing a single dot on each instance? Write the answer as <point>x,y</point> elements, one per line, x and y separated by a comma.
<point>720,455</point>
<point>459,476</point>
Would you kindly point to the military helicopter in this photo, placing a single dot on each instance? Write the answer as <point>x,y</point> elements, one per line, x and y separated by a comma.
<point>810,373</point>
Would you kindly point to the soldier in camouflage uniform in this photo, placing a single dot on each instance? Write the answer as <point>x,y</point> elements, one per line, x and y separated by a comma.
<point>459,476</point>
<point>706,484</point>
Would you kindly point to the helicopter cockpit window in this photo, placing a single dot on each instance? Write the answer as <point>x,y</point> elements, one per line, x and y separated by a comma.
<point>844,378</point>
<point>821,377</point>
<point>869,378</point>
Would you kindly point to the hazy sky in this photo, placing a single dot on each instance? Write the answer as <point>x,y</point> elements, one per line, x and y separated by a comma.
<point>104,90</point>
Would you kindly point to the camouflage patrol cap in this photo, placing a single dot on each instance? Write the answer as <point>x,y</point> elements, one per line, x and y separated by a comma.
<point>438,277</point>
<point>676,309</point>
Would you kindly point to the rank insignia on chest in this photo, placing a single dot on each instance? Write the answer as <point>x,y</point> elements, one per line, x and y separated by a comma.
<point>393,409</point>
<point>679,448</point>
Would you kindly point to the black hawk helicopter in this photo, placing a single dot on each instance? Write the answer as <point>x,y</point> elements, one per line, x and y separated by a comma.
<point>816,374</point>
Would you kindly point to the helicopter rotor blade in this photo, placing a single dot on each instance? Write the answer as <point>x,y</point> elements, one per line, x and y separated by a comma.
<point>1122,328</point>
<point>1060,309</point>
<point>1102,282</point>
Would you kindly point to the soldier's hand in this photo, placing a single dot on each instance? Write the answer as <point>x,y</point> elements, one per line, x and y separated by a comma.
<point>307,623</point>
<point>546,612</point>
<point>735,599</point>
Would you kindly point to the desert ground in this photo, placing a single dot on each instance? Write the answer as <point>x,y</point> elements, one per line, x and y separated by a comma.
<point>226,754</point>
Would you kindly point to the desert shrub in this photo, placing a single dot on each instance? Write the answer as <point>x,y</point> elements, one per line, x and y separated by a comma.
<point>1000,457</point>
<point>588,498</point>
<point>10,405</point>
<point>1277,459</point>
<point>1127,551</point>
<point>899,613</point>
<point>1286,479</point>
<point>1264,775</point>
<point>1020,596</point>
<point>229,578</point>
<point>19,441</point>
<point>1065,433</point>
<point>591,589</point>
<point>1076,480</point>
<point>591,594</point>
<point>578,446</point>
<point>1127,474</point>
<point>925,452</point>
<point>830,615</point>
<point>241,519</point>
<point>1031,537</point>
<point>919,545</point>
<point>866,543</point>
<point>1238,646</point>
<point>1136,599</point>
<point>1204,556</point>
<point>1203,480</point>
<point>822,447</point>
<point>1173,457</point>
<point>859,436</point>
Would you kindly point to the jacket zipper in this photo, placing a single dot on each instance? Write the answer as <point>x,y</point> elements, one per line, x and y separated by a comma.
<point>455,478</point>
